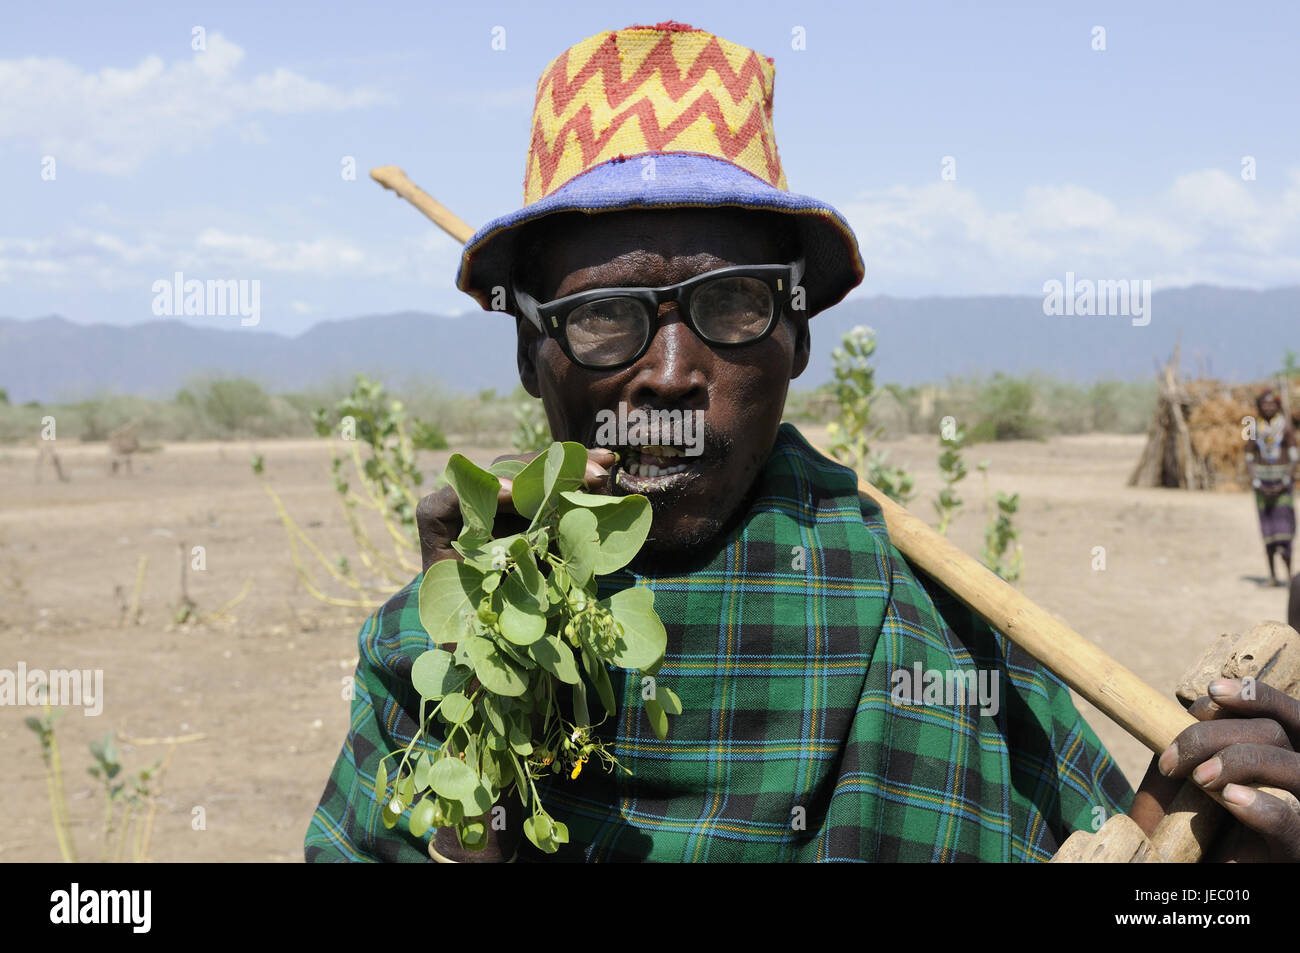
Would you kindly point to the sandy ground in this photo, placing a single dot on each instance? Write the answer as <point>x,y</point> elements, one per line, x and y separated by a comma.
<point>265,689</point>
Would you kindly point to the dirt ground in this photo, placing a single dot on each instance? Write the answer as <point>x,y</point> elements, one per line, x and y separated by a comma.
<point>265,689</point>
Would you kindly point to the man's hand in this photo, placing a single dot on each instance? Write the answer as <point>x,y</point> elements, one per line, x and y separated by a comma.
<point>438,520</point>
<point>1242,741</point>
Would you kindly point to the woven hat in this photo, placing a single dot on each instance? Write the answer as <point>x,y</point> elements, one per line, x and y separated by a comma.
<point>663,116</point>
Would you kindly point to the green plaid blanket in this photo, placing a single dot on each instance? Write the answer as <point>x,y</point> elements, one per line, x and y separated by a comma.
<point>792,647</point>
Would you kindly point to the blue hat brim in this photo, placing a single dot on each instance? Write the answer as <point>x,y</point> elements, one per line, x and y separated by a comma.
<point>833,263</point>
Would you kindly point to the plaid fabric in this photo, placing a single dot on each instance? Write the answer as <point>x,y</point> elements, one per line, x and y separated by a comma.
<point>783,646</point>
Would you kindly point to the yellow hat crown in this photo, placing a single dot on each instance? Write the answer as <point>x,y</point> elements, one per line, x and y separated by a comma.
<point>649,90</point>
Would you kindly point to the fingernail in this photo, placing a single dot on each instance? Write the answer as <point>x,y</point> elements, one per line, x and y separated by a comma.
<point>1239,794</point>
<point>1225,687</point>
<point>1168,760</point>
<point>1207,772</point>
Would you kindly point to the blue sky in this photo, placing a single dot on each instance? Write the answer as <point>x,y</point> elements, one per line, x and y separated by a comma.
<point>225,163</point>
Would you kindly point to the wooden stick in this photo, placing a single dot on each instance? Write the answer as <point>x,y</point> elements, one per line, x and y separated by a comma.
<point>391,177</point>
<point>1142,711</point>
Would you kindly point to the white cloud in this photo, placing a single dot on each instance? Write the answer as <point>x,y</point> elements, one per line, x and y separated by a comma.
<point>112,120</point>
<point>110,260</point>
<point>1208,226</point>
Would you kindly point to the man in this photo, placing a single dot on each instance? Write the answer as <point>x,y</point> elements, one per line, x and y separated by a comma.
<point>1271,459</point>
<point>660,264</point>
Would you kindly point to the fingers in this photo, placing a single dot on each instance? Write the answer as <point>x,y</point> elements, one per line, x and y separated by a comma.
<point>1201,742</point>
<point>599,462</point>
<point>1268,815</point>
<point>438,522</point>
<point>1249,764</point>
<point>1250,697</point>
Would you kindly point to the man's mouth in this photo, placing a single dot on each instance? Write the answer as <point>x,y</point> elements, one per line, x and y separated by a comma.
<point>654,469</point>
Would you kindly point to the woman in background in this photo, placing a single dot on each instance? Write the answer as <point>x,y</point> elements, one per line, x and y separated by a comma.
<point>1271,459</point>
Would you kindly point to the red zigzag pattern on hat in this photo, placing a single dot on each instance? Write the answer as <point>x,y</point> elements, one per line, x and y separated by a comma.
<point>675,83</point>
<point>656,137</point>
<point>660,59</point>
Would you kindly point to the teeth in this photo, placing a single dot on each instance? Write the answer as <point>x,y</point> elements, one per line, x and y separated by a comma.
<point>646,471</point>
<point>655,451</point>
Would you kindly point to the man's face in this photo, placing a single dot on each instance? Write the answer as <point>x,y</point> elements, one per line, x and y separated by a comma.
<point>1269,407</point>
<point>740,390</point>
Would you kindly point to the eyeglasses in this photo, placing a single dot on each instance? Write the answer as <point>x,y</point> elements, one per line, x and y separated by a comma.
<point>608,328</point>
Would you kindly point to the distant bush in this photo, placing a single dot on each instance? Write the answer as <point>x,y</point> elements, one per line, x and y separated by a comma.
<point>1001,407</point>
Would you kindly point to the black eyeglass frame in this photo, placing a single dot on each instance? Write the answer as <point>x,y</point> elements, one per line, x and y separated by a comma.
<point>552,318</point>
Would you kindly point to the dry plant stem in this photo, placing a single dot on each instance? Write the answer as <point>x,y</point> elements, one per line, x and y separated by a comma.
<point>58,802</point>
<point>143,837</point>
<point>372,501</point>
<point>308,582</point>
<point>133,613</point>
<point>221,612</point>
<point>376,502</point>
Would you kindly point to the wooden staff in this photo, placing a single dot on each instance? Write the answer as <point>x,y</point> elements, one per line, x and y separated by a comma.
<point>1141,710</point>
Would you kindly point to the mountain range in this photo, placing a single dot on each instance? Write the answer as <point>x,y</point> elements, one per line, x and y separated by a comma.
<point>1232,333</point>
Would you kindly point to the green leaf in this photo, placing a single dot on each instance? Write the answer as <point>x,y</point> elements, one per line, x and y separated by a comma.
<point>477,490</point>
<point>473,835</point>
<point>493,713</point>
<point>644,637</point>
<point>529,490</point>
<point>389,816</point>
<point>494,671</point>
<point>581,717</point>
<point>566,467</point>
<point>454,779</point>
<point>479,801</point>
<point>592,500</point>
<point>422,817</point>
<point>423,765</point>
<point>542,827</point>
<point>622,529</point>
<point>556,657</point>
<point>381,783</point>
<point>456,708</point>
<point>579,544</point>
<point>517,653</point>
<point>559,832</point>
<point>435,673</point>
<point>495,742</point>
<point>668,699</point>
<point>658,719</point>
<point>507,468</point>
<point>544,844</point>
<point>449,590</point>
<point>519,742</point>
<point>522,626</point>
<point>527,577</point>
<point>487,555</point>
<point>604,689</point>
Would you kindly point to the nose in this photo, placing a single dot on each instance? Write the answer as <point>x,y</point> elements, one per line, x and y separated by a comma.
<point>673,371</point>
